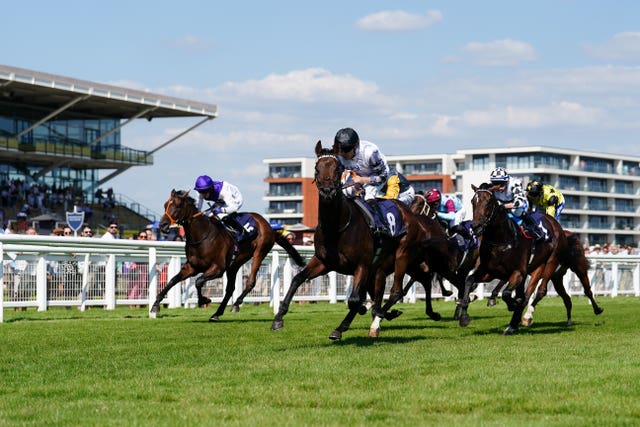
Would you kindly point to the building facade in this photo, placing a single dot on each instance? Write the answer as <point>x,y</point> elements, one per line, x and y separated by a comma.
<point>602,191</point>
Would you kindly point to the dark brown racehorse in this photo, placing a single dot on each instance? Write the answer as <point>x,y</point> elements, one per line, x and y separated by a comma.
<point>212,250</point>
<point>506,254</point>
<point>443,256</point>
<point>345,243</point>
<point>579,264</point>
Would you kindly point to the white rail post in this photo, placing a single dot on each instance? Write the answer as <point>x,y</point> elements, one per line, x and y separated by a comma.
<point>85,283</point>
<point>614,279</point>
<point>275,281</point>
<point>333,287</point>
<point>41,283</point>
<point>110,283</point>
<point>2,283</point>
<point>153,279</point>
<point>636,280</point>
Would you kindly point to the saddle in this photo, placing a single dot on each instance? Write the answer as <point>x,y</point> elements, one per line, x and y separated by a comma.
<point>241,226</point>
<point>383,217</point>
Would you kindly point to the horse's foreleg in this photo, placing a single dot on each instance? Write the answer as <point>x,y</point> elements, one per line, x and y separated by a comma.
<point>248,286</point>
<point>185,272</point>
<point>228,292</point>
<point>493,299</point>
<point>356,301</point>
<point>469,283</point>
<point>516,281</point>
<point>312,270</point>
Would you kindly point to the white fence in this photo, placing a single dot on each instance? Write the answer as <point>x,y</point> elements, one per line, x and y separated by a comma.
<point>77,272</point>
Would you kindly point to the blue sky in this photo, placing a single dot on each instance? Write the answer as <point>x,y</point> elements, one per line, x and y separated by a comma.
<point>412,76</point>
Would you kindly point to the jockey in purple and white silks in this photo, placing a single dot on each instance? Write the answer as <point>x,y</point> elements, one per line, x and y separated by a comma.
<point>226,197</point>
<point>364,159</point>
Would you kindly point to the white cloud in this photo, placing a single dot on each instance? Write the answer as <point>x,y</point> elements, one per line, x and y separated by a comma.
<point>190,43</point>
<point>308,86</point>
<point>622,46</point>
<point>518,117</point>
<point>500,53</point>
<point>398,20</point>
<point>403,116</point>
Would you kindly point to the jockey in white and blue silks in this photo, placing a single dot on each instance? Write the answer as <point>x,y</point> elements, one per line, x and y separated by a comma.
<point>511,195</point>
<point>364,159</point>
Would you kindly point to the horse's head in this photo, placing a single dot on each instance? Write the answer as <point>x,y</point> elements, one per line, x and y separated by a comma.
<point>419,205</point>
<point>177,209</point>
<point>328,172</point>
<point>485,207</point>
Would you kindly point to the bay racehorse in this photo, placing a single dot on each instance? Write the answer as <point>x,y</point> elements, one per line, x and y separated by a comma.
<point>579,264</point>
<point>345,243</point>
<point>212,250</point>
<point>506,254</point>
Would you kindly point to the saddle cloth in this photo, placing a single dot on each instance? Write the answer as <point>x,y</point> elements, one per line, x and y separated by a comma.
<point>386,216</point>
<point>248,224</point>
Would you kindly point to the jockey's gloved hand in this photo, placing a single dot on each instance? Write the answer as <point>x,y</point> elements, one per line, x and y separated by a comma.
<point>216,211</point>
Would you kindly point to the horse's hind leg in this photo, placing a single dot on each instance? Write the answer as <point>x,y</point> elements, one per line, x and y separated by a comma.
<point>493,299</point>
<point>185,272</point>
<point>584,280</point>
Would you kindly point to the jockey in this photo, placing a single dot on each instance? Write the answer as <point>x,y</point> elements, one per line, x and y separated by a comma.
<point>511,195</point>
<point>226,197</point>
<point>399,187</point>
<point>366,168</point>
<point>364,159</point>
<point>451,212</point>
<point>546,198</point>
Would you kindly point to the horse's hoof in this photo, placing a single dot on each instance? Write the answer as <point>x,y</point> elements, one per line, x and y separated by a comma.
<point>464,320</point>
<point>527,321</point>
<point>597,310</point>
<point>362,310</point>
<point>155,308</point>
<point>491,302</point>
<point>392,314</point>
<point>235,308</point>
<point>335,335</point>
<point>276,325</point>
<point>374,332</point>
<point>434,315</point>
<point>446,293</point>
<point>214,318</point>
<point>569,322</point>
<point>510,331</point>
<point>204,302</point>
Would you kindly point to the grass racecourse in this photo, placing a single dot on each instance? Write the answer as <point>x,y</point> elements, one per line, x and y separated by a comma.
<point>120,368</point>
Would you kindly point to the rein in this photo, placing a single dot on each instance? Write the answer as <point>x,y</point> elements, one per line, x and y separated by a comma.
<point>173,221</point>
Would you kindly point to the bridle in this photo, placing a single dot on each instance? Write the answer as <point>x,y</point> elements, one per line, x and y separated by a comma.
<point>328,186</point>
<point>426,209</point>
<point>480,229</point>
<point>180,221</point>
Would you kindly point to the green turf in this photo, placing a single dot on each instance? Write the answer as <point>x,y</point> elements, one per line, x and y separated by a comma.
<point>65,367</point>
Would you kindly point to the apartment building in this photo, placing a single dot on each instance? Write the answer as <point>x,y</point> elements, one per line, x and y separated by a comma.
<point>602,191</point>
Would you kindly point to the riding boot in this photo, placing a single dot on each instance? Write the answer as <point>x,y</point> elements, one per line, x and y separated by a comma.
<point>381,229</point>
<point>231,223</point>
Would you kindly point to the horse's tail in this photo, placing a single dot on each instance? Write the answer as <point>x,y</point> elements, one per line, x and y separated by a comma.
<point>288,247</point>
<point>576,259</point>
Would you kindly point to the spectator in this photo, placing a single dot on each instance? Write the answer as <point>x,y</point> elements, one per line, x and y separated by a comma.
<point>112,231</point>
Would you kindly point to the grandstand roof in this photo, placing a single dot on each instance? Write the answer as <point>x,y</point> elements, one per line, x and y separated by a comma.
<point>48,92</point>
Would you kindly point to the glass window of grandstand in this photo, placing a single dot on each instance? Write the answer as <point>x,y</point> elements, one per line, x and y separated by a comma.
<point>515,161</point>
<point>284,171</point>
<point>288,207</point>
<point>597,185</point>
<point>426,185</point>
<point>630,168</point>
<point>285,189</point>
<point>558,161</point>
<point>421,168</point>
<point>568,182</point>
<point>623,187</point>
<point>623,223</point>
<point>480,162</point>
<point>543,178</point>
<point>625,240</point>
<point>599,222</point>
<point>624,205</point>
<point>597,239</point>
<point>598,204</point>
<point>570,220</point>
<point>591,164</point>
<point>572,202</point>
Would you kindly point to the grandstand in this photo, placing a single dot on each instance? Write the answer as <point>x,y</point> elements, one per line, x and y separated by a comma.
<point>60,145</point>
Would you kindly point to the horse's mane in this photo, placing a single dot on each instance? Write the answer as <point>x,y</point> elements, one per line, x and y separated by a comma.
<point>485,186</point>
<point>184,194</point>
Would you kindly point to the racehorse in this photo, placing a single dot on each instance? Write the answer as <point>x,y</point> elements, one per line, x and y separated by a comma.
<point>579,264</point>
<point>506,254</point>
<point>345,243</point>
<point>211,250</point>
<point>446,258</point>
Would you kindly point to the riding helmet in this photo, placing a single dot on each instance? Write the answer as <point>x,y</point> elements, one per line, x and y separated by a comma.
<point>534,188</point>
<point>346,139</point>
<point>434,195</point>
<point>499,174</point>
<point>204,182</point>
